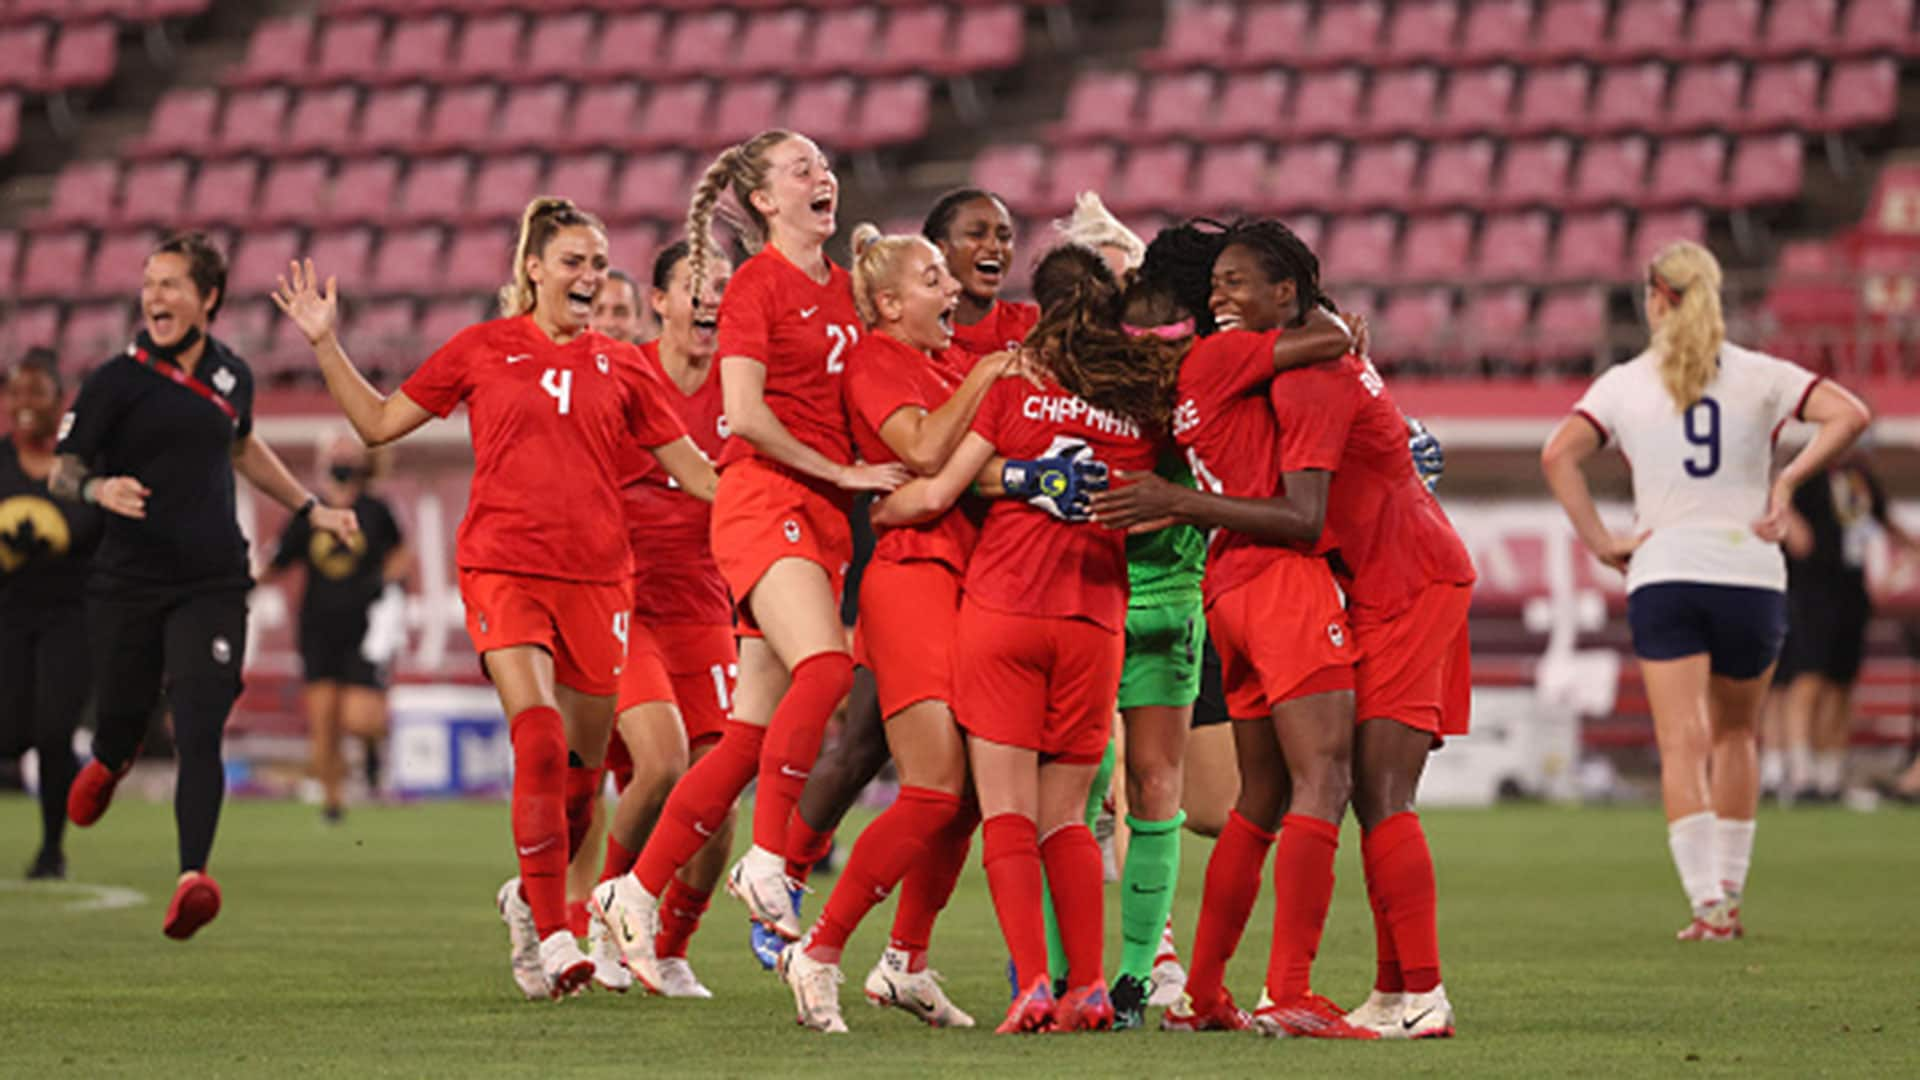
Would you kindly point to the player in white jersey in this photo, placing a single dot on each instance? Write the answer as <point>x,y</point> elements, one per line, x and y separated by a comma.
<point>1696,417</point>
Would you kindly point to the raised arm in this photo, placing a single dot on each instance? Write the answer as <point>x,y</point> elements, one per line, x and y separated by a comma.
<point>1324,337</point>
<point>743,387</point>
<point>377,418</point>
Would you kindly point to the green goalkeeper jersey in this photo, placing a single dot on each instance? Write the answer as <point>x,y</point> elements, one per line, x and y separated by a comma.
<point>1168,564</point>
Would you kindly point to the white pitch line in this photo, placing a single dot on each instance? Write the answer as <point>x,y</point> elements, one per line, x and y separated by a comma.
<point>91,897</point>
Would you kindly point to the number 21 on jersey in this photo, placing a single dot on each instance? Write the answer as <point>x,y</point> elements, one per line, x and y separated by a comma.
<point>842,336</point>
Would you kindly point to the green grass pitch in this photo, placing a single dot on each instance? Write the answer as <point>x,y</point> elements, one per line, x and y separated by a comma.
<point>373,949</point>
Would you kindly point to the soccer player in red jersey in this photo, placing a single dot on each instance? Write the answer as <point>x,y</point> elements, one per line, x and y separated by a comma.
<point>678,679</point>
<point>780,533</point>
<point>1040,633</point>
<point>906,406</point>
<point>974,233</point>
<point>543,560</point>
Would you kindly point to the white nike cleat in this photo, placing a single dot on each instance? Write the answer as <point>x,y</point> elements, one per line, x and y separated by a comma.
<point>918,992</point>
<point>1427,1016</point>
<point>1381,1012</point>
<point>524,939</point>
<point>609,967</point>
<point>569,972</point>
<point>759,880</point>
<point>1167,980</point>
<point>816,990</point>
<point>677,979</point>
<point>632,918</point>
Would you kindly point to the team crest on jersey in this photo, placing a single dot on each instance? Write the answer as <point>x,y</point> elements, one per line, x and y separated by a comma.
<point>224,381</point>
<point>720,426</point>
<point>222,651</point>
<point>792,529</point>
<point>600,361</point>
<point>1336,635</point>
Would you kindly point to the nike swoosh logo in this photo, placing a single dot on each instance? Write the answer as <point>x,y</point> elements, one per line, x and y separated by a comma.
<point>701,828</point>
<point>515,358</point>
<point>1410,1024</point>
<point>791,772</point>
<point>807,312</point>
<point>1147,892</point>
<point>530,852</point>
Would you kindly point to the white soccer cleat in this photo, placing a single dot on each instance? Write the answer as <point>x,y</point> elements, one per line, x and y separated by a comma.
<point>569,972</point>
<point>918,992</point>
<point>677,979</point>
<point>816,990</point>
<point>1381,1012</point>
<point>759,880</point>
<point>1716,921</point>
<point>1426,1016</point>
<point>609,967</point>
<point>524,940</point>
<point>631,915</point>
<point>1168,980</point>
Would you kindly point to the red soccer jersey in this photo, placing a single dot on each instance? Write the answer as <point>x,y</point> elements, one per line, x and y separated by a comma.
<point>1222,419</point>
<point>1005,326</point>
<point>551,424</point>
<point>1393,536</point>
<point>675,578</point>
<point>883,377</point>
<point>1028,562</point>
<point>801,330</point>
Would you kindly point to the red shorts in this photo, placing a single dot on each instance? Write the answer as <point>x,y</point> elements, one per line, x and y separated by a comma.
<point>1038,682</point>
<point>1417,666</point>
<point>908,615</point>
<point>1282,635</point>
<point>762,514</point>
<point>582,624</point>
<point>693,665</point>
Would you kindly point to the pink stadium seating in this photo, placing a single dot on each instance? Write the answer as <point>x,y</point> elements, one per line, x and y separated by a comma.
<point>1347,33</point>
<point>1494,320</point>
<point>384,327</point>
<point>557,45</point>
<point>1705,96</point>
<point>408,261</point>
<point>95,330</point>
<point>1274,34</point>
<point>1326,103</point>
<point>1513,247</point>
<point>1570,322</point>
<point>489,47</point>
<point>279,47</point>
<point>223,192</point>
<point>445,318</point>
<point>9,123</point>
<point>83,193</point>
<point>1610,171</point>
<point>1436,248</point>
<point>118,261</point>
<point>1402,102</point>
<point>1379,176</point>
<point>1592,247</point>
<point>1688,171</point>
<point>154,193</point>
<point>1199,34</point>
<point>675,115</point>
<point>476,261</point>
<point>1860,93</point>
<point>1553,99</point>
<point>322,120</point>
<point>1015,171</point>
<point>1800,27</point>
<point>824,109</point>
<point>770,42</point>
<point>987,38</point>
<point>1422,30</point>
<point>254,120</point>
<point>419,49</point>
<point>1153,178</point>
<point>9,259</point>
<point>83,55</point>
<point>1765,169</point>
<point>345,254</point>
<point>1478,100</point>
<point>1458,174</point>
<point>1724,28</point>
<point>699,44</point>
<point>633,247</point>
<point>435,189</point>
<point>182,123</point>
<point>891,111</point>
<point>39,324</point>
<point>1229,177</point>
<point>1630,97</point>
<point>1305,175</point>
<point>393,119</point>
<point>586,179</point>
<point>530,116</point>
<point>1251,104</point>
<point>1643,28</point>
<point>1783,95</point>
<point>291,190</point>
<point>1076,169</point>
<point>1657,230</point>
<point>1175,103</point>
<point>1414,323</point>
<point>628,44</point>
<point>350,49</point>
<point>653,187</point>
<point>744,109</point>
<point>602,116</point>
<point>1496,30</point>
<point>25,48</point>
<point>842,41</point>
<point>1877,26</point>
<point>363,191</point>
<point>1360,249</point>
<point>1100,105</point>
<point>1570,28</point>
<point>915,40</point>
<point>502,187</point>
<point>462,118</point>
<point>53,264</point>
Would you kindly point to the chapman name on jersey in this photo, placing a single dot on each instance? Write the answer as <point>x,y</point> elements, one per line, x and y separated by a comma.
<point>1068,409</point>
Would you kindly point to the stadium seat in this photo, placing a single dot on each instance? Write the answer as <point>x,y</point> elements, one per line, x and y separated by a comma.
<point>1876,26</point>
<point>83,194</point>
<point>1360,249</point>
<point>745,109</point>
<point>435,189</point>
<point>1648,28</point>
<point>442,319</point>
<point>1436,248</point>
<point>83,55</point>
<point>25,48</point>
<point>1402,102</point>
<point>96,330</point>
<point>1100,105</point>
<point>1347,33</point>
<point>322,120</point>
<point>1015,172</point>
<point>1705,96</point>
<point>1458,174</point>
<point>223,192</point>
<point>587,179</point>
<point>1414,325</point>
<point>1493,321</point>
<point>1783,95</point>
<point>1176,104</point>
<point>1075,169</point>
<point>1657,230</point>
<point>118,261</point>
<point>675,115</point>
<point>477,261</point>
<point>1800,27</point>
<point>154,193</point>
<point>824,109</point>
<point>408,260</point>
<point>987,38</point>
<point>1592,247</point>
<point>628,44</point>
<point>419,50</point>
<point>1724,28</point>
<point>915,40</point>
<point>1326,103</point>
<point>1571,323</point>
<point>634,247</point>
<point>1250,104</point>
<point>1610,171</point>
<point>770,42</point>
<point>1513,247</point>
<point>654,186</point>
<point>556,45</point>
<point>53,264</point>
<point>39,324</point>
<point>182,123</point>
<point>1688,171</point>
<point>1307,175</point>
<point>530,116</point>
<point>1553,99</point>
<point>502,187</point>
<point>350,49</point>
<point>278,48</point>
<point>1422,30</point>
<point>1569,29</point>
<point>291,190</point>
<point>1765,168</point>
<point>1274,35</point>
<point>255,120</point>
<point>1199,34</point>
<point>384,330</point>
<point>1153,178</point>
<point>345,254</point>
<point>393,119</point>
<point>1496,30</point>
<point>1630,97</point>
<point>842,42</point>
<point>489,47</point>
<point>1860,93</point>
<point>9,261</point>
<point>1379,176</point>
<point>9,123</point>
<point>699,44</point>
<point>363,191</point>
<point>1229,178</point>
<point>462,118</point>
<point>1479,100</point>
<point>602,116</point>
<point>891,112</point>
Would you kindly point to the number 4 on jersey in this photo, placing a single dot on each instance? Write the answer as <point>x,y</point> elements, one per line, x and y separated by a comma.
<point>559,386</point>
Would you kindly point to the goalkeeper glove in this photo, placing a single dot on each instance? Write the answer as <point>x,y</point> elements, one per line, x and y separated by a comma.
<point>1061,483</point>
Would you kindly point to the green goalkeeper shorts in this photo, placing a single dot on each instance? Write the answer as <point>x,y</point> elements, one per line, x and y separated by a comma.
<point>1165,637</point>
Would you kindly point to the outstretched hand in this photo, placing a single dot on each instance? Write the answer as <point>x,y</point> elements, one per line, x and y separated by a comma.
<point>1143,501</point>
<point>315,312</point>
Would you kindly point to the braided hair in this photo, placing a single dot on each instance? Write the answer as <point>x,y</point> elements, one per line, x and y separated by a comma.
<point>740,170</point>
<point>1079,340</point>
<point>1283,256</point>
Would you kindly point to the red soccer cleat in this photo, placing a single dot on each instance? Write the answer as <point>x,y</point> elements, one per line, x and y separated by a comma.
<point>1088,1008</point>
<point>1031,1012</point>
<point>1309,1017</point>
<point>92,792</point>
<point>1222,1015</point>
<point>195,902</point>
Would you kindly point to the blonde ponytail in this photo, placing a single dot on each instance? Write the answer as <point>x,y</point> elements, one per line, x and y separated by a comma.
<point>1092,224</point>
<point>741,169</point>
<point>543,217</point>
<point>1688,340</point>
<point>876,265</point>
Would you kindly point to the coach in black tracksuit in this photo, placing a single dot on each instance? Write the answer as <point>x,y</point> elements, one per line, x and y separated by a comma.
<point>155,438</point>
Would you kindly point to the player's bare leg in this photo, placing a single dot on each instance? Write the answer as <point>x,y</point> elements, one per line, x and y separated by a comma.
<point>328,769</point>
<point>363,715</point>
<point>1734,709</point>
<point>1677,693</point>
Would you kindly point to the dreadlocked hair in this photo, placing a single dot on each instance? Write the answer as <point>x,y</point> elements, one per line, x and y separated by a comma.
<point>1283,255</point>
<point>542,220</point>
<point>1179,263</point>
<point>1079,340</point>
<point>741,169</point>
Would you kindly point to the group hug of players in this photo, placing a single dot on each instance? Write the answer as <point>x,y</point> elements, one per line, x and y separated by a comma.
<point>645,521</point>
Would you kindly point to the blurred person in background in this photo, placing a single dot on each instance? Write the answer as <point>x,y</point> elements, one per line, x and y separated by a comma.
<point>46,543</point>
<point>352,616</point>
